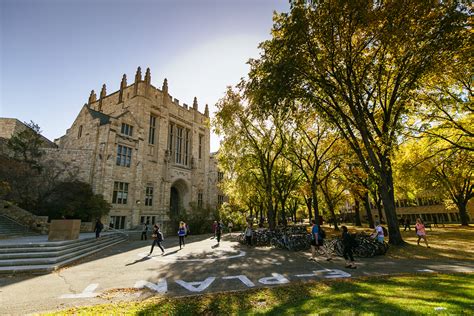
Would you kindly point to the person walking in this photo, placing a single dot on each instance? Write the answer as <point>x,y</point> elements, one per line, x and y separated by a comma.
<point>181,234</point>
<point>314,239</point>
<point>98,228</point>
<point>378,233</point>
<point>348,243</point>
<point>317,241</point>
<point>407,224</point>
<point>144,232</point>
<point>421,232</point>
<point>218,232</point>
<point>248,235</point>
<point>214,226</point>
<point>157,237</point>
<point>230,225</point>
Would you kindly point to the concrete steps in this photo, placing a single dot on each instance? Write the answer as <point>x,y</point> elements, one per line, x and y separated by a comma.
<point>44,257</point>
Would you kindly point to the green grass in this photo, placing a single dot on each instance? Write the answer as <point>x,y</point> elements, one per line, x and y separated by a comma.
<point>402,295</point>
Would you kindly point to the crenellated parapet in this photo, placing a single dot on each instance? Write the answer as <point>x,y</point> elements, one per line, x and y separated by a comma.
<point>141,87</point>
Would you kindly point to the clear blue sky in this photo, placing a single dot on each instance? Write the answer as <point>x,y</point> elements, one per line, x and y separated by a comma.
<point>54,52</point>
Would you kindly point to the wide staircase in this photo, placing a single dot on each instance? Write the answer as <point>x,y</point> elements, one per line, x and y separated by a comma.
<point>37,255</point>
<point>10,229</point>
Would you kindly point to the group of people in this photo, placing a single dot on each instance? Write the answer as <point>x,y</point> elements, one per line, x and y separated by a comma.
<point>317,238</point>
<point>157,236</point>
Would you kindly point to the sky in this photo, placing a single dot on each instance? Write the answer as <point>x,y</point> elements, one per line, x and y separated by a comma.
<point>54,52</point>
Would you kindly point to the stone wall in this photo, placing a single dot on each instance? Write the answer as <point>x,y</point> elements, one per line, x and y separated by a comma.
<point>36,223</point>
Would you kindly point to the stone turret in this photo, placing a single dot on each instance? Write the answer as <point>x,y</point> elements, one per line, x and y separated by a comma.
<point>138,78</point>
<point>92,97</point>
<point>148,76</point>
<point>206,110</point>
<point>123,85</point>
<point>195,104</point>
<point>147,81</point>
<point>165,86</point>
<point>103,94</point>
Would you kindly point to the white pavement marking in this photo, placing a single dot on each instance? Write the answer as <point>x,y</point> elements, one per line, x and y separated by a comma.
<point>326,273</point>
<point>242,278</point>
<point>87,293</point>
<point>175,259</point>
<point>425,270</point>
<point>201,286</point>
<point>160,287</point>
<point>276,278</point>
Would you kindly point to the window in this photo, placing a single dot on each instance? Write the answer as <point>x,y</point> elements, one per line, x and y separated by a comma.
<point>179,145</point>
<point>149,196</point>
<point>127,129</point>
<point>220,200</point>
<point>150,219</point>
<point>201,139</point>
<point>151,132</point>
<point>170,139</point>
<point>120,193</point>
<point>124,156</point>
<point>200,199</point>
<point>117,222</point>
<point>220,176</point>
<point>186,147</point>
<point>79,133</point>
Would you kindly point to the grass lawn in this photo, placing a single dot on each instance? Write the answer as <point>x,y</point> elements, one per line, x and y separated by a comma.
<point>449,242</point>
<point>441,294</point>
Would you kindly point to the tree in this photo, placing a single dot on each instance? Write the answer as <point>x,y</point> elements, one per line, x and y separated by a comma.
<point>358,63</point>
<point>310,142</point>
<point>445,109</point>
<point>251,144</point>
<point>440,170</point>
<point>74,200</point>
<point>25,146</point>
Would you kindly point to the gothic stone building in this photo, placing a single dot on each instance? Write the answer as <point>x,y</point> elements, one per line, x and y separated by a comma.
<point>145,153</point>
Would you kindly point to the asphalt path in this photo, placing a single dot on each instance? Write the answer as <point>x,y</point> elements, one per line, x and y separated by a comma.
<point>125,273</point>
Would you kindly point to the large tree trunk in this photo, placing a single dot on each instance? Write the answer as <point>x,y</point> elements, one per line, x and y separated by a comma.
<point>309,202</point>
<point>315,201</point>
<point>334,219</point>
<point>271,214</point>
<point>368,210</point>
<point>357,213</point>
<point>462,206</point>
<point>388,199</point>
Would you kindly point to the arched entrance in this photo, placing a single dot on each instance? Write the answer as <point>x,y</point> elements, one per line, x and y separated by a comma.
<point>174,202</point>
<point>179,198</point>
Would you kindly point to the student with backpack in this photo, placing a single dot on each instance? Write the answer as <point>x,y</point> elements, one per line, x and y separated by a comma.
<point>317,240</point>
<point>157,237</point>
<point>348,242</point>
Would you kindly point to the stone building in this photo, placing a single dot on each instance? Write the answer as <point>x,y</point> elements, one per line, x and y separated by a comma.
<point>12,126</point>
<point>146,153</point>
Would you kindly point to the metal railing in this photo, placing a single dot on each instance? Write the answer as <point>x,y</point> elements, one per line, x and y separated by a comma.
<point>16,222</point>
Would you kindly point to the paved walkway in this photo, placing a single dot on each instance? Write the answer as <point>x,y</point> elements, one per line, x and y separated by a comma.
<point>125,273</point>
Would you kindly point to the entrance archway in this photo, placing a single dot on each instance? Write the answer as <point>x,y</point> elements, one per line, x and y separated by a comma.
<point>179,198</point>
<point>174,202</point>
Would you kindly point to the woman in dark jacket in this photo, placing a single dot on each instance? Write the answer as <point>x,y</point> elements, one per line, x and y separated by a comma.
<point>157,237</point>
<point>348,243</point>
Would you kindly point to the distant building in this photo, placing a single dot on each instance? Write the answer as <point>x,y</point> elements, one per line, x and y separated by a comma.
<point>12,126</point>
<point>428,209</point>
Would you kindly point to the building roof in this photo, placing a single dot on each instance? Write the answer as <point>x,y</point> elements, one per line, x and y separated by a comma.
<point>104,118</point>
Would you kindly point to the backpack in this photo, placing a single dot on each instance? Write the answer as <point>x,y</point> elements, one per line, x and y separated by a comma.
<point>353,241</point>
<point>385,231</point>
<point>321,233</point>
<point>160,236</point>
